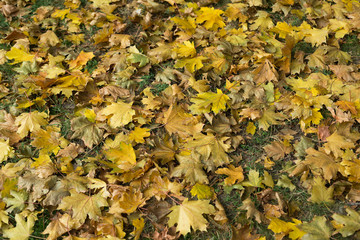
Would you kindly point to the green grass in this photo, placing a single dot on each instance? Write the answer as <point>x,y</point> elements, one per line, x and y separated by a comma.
<point>7,73</point>
<point>303,46</point>
<point>252,149</point>
<point>40,226</point>
<point>231,202</point>
<point>158,88</point>
<point>41,3</point>
<point>63,108</point>
<point>351,45</point>
<point>4,25</point>
<point>91,65</point>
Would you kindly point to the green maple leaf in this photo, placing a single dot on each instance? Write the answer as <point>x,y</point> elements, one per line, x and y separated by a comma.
<point>318,229</point>
<point>351,223</point>
<point>23,229</point>
<point>88,131</point>
<point>17,201</point>
<point>137,57</point>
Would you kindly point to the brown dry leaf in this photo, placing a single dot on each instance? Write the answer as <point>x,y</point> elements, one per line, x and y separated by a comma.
<point>319,160</point>
<point>323,132</point>
<point>122,40</point>
<point>190,168</point>
<point>347,106</point>
<point>243,233</point>
<point>220,215</point>
<point>164,235</point>
<point>176,120</point>
<point>251,211</point>
<point>343,72</point>
<point>277,150</point>
<point>127,203</point>
<point>114,91</point>
<point>273,210</point>
<point>8,129</point>
<point>211,148</point>
<point>266,72</point>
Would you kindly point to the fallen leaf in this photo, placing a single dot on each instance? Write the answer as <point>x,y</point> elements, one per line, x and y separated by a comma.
<point>189,214</point>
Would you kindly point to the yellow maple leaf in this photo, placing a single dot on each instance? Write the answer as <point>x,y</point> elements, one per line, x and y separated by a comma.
<point>23,228</point>
<point>251,128</point>
<point>76,81</point>
<point>316,36</point>
<point>76,38</point>
<point>19,55</point>
<point>5,150</point>
<point>235,174</point>
<point>190,168</point>
<point>88,131</point>
<point>48,39</point>
<point>189,214</point>
<point>187,24</point>
<point>254,179</point>
<point>211,17</point>
<point>209,101</point>
<point>101,3</point>
<point>283,29</point>
<point>42,160</point>
<point>336,142</point>
<point>60,225</point>
<point>270,117</point>
<point>320,193</point>
<point>30,122</point>
<point>128,202</point>
<point>60,13</point>
<point>279,226</point>
<point>83,205</point>
<point>139,226</point>
<point>191,64</point>
<point>120,113</point>
<point>213,149</point>
<point>4,218</point>
<point>348,224</point>
<point>352,169</point>
<point>81,60</point>
<point>138,134</point>
<point>52,71</point>
<point>123,156</point>
<point>187,49</point>
<point>263,21</point>
<point>202,191</point>
<point>341,28</point>
<point>177,121</point>
<point>314,118</point>
<point>317,59</point>
<point>321,160</point>
<point>49,140</point>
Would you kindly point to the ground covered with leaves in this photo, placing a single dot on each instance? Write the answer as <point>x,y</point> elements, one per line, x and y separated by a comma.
<point>170,119</point>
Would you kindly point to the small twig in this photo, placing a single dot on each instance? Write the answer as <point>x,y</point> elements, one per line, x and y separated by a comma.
<point>36,237</point>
